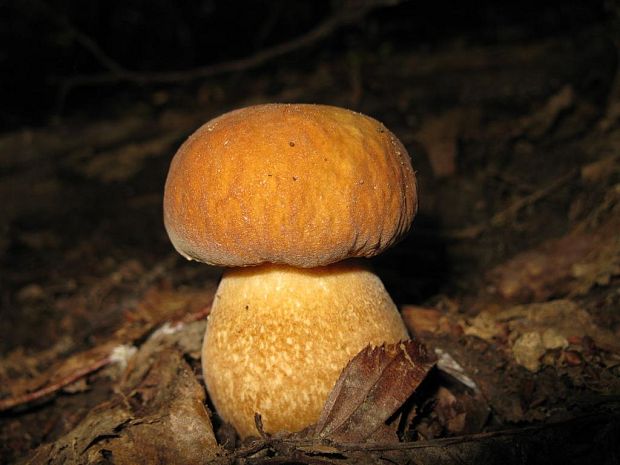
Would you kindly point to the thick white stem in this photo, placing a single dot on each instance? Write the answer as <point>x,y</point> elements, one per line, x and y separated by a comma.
<point>278,338</point>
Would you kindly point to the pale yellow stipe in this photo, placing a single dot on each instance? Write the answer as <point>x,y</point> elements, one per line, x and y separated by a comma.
<point>278,338</point>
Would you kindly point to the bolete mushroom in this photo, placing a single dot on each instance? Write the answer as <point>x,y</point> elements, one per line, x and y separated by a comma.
<point>285,193</point>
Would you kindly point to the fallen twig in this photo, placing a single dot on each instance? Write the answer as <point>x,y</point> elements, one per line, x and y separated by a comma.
<point>91,367</point>
<point>12,402</point>
<point>514,444</point>
<point>349,13</point>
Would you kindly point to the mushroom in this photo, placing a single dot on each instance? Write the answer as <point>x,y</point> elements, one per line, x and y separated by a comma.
<point>289,195</point>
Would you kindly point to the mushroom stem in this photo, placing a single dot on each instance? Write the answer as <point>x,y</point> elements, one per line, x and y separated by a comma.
<point>278,337</point>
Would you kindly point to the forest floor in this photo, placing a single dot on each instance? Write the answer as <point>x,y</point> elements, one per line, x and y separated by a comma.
<point>511,274</point>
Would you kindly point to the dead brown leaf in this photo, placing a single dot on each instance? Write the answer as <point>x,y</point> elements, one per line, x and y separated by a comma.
<point>372,387</point>
<point>164,308</point>
<point>460,412</point>
<point>532,330</point>
<point>421,320</point>
<point>158,417</point>
<point>161,305</point>
<point>425,321</point>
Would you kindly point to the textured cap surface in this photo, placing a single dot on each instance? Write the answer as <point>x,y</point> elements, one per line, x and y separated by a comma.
<point>304,185</point>
<point>278,337</point>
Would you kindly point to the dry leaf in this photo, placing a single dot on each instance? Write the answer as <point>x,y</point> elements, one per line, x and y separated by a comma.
<point>421,320</point>
<point>161,419</point>
<point>372,387</point>
<point>532,330</point>
<point>460,412</point>
<point>159,307</point>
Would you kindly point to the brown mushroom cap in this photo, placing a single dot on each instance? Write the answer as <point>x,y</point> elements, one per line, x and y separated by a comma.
<point>303,185</point>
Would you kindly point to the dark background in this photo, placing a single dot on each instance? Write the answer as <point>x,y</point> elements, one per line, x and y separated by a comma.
<point>43,47</point>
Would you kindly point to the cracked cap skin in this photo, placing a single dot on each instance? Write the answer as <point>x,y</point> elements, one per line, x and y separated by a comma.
<point>296,184</point>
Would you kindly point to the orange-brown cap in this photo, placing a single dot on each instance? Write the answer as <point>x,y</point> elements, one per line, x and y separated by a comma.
<point>303,185</point>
